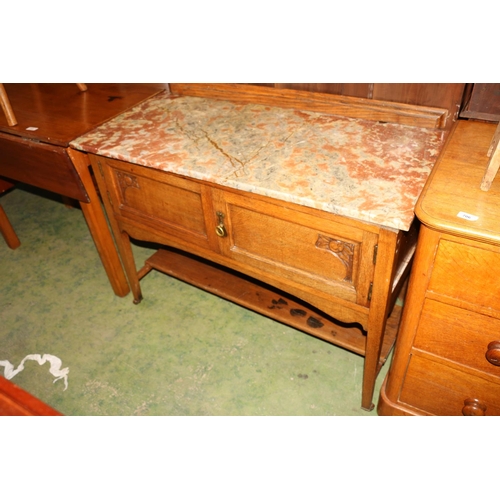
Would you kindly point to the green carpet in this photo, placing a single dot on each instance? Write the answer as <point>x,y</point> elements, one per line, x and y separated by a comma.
<point>181,351</point>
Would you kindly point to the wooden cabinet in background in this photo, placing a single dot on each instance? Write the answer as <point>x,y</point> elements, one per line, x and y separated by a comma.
<point>482,101</point>
<point>447,357</point>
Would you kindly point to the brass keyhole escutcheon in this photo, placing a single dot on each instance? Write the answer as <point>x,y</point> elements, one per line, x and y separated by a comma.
<point>220,230</point>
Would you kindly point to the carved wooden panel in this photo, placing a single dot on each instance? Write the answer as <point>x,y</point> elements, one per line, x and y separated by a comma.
<point>170,202</point>
<point>126,181</point>
<point>301,248</point>
<point>342,250</point>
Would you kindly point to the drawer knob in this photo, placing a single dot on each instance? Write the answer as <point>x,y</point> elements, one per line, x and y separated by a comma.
<point>220,229</point>
<point>473,408</point>
<point>493,353</point>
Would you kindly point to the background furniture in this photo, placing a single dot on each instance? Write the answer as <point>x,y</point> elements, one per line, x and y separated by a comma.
<point>36,152</point>
<point>481,101</point>
<point>494,161</point>
<point>16,402</point>
<point>6,228</point>
<point>6,107</point>
<point>442,95</point>
<point>271,206</point>
<point>447,356</point>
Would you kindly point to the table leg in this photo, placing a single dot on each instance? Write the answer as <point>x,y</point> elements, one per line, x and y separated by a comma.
<point>98,226</point>
<point>379,311</point>
<point>122,239</point>
<point>8,231</point>
<point>6,228</point>
<point>130,267</point>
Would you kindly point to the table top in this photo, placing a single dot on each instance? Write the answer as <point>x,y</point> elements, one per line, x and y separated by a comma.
<point>371,171</point>
<point>56,113</point>
<point>452,200</point>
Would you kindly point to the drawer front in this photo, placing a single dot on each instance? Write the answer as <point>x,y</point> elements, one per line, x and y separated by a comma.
<point>168,204</point>
<point>460,336</point>
<point>466,273</point>
<point>306,249</point>
<point>442,390</point>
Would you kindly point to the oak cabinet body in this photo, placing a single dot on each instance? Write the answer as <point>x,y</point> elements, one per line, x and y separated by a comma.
<point>304,250</point>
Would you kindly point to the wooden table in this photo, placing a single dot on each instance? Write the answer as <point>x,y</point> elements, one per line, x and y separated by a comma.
<point>447,357</point>
<point>297,206</point>
<point>36,151</point>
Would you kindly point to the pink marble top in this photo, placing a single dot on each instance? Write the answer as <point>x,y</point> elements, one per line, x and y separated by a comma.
<point>367,170</point>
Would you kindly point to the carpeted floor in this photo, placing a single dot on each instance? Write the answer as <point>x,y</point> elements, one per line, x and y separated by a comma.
<point>181,351</point>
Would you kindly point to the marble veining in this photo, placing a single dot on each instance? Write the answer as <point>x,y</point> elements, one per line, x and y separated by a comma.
<point>370,171</point>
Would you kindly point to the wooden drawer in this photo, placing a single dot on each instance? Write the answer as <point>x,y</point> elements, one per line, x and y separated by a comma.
<point>458,335</point>
<point>164,203</point>
<point>442,390</point>
<point>322,254</point>
<point>469,274</point>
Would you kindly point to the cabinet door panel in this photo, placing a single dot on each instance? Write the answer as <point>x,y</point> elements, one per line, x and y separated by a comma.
<point>299,247</point>
<point>166,203</point>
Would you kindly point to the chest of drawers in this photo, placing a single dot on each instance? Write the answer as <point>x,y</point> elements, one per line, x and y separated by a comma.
<point>272,208</point>
<point>447,359</point>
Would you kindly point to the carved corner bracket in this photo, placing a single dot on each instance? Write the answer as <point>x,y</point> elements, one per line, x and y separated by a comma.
<point>126,181</point>
<point>341,250</point>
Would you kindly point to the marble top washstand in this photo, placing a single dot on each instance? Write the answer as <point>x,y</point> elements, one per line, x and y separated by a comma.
<point>368,170</point>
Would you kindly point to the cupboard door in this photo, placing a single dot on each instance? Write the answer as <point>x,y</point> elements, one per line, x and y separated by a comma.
<point>167,206</point>
<point>330,256</point>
